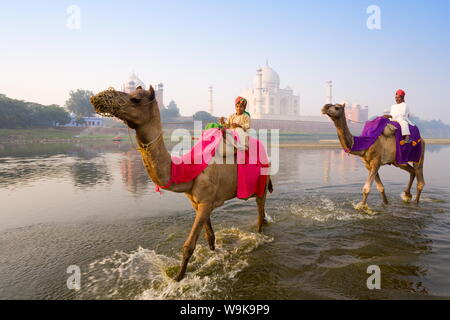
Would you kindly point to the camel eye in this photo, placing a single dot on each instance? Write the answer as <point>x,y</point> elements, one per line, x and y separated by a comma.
<point>134,100</point>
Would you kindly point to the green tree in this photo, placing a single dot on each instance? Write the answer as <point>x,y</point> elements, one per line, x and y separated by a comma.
<point>204,116</point>
<point>46,116</point>
<point>79,103</point>
<point>13,113</point>
<point>20,114</point>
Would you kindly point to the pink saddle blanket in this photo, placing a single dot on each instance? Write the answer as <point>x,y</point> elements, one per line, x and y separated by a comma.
<point>253,164</point>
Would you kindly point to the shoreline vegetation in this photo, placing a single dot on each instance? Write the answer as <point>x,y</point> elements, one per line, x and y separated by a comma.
<point>57,135</point>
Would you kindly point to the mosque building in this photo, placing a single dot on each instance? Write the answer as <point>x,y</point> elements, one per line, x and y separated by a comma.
<point>133,82</point>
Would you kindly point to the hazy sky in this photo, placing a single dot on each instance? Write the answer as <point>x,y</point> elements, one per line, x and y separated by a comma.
<point>189,45</point>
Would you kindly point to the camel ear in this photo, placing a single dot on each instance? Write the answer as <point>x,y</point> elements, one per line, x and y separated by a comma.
<point>139,88</point>
<point>343,105</point>
<point>151,93</point>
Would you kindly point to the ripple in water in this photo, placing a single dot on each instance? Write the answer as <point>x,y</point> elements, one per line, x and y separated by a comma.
<point>145,274</point>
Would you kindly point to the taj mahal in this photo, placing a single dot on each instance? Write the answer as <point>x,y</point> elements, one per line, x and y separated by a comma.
<point>266,100</point>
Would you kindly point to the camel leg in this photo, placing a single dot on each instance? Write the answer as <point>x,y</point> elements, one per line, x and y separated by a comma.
<point>420,182</point>
<point>368,185</point>
<point>380,188</point>
<point>209,234</point>
<point>418,167</point>
<point>261,202</point>
<point>412,176</point>
<point>202,215</point>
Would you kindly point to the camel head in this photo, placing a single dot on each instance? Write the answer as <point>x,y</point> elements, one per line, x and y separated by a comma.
<point>135,109</point>
<point>334,111</point>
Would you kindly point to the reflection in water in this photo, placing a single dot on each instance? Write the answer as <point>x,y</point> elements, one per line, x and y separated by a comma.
<point>339,162</point>
<point>82,162</point>
<point>133,173</point>
<point>24,171</point>
<point>89,173</point>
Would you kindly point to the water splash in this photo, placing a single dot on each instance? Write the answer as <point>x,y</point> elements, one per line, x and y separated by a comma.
<point>324,210</point>
<point>364,208</point>
<point>145,274</point>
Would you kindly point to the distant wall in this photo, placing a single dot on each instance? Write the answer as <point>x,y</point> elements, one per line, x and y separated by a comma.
<point>282,125</point>
<point>302,126</point>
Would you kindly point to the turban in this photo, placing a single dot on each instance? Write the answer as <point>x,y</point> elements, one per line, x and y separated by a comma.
<point>401,93</point>
<point>239,99</point>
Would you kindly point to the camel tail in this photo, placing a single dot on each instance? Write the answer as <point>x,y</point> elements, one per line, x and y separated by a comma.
<point>270,185</point>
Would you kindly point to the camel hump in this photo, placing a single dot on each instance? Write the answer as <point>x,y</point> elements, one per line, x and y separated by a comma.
<point>389,130</point>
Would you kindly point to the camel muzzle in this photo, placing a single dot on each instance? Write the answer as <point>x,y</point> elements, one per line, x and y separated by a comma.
<point>108,103</point>
<point>326,108</point>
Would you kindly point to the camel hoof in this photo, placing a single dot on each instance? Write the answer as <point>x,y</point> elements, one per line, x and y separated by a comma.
<point>179,277</point>
<point>406,197</point>
<point>361,206</point>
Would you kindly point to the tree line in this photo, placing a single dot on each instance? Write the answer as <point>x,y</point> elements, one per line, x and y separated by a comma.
<point>21,114</point>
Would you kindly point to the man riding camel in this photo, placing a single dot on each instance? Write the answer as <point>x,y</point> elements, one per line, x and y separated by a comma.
<point>400,113</point>
<point>239,122</point>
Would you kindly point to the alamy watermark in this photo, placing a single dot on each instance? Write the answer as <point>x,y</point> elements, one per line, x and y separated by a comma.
<point>374,19</point>
<point>74,280</point>
<point>73,21</point>
<point>374,281</point>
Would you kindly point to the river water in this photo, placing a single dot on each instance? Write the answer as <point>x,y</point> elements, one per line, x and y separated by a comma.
<point>94,207</point>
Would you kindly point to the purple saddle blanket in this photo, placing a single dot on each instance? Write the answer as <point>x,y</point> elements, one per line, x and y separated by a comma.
<point>409,152</point>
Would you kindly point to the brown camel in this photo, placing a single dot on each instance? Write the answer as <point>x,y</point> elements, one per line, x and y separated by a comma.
<point>382,152</point>
<point>216,184</point>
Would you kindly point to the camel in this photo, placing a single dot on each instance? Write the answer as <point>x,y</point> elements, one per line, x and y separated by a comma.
<point>382,152</point>
<point>215,185</point>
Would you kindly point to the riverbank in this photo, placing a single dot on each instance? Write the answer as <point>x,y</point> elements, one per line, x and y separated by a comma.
<point>55,135</point>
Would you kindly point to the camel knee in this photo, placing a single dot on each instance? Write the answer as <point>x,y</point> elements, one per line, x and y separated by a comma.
<point>380,189</point>
<point>366,190</point>
<point>420,186</point>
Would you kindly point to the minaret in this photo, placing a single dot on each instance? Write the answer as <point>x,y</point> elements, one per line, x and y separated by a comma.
<point>160,95</point>
<point>259,93</point>
<point>210,101</point>
<point>329,92</point>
